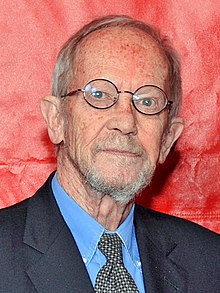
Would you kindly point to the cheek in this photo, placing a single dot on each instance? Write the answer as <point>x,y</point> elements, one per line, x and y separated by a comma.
<point>83,129</point>
<point>150,137</point>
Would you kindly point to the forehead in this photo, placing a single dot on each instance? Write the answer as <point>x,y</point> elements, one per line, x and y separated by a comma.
<point>119,53</point>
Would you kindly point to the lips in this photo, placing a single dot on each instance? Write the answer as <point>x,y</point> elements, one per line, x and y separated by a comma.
<point>118,145</point>
<point>121,152</point>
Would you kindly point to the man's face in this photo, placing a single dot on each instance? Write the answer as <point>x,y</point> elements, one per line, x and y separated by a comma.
<point>115,149</point>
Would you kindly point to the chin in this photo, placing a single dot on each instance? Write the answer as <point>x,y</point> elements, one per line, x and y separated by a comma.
<point>118,177</point>
<point>121,187</point>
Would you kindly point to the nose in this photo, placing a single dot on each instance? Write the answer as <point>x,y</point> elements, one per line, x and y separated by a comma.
<point>123,115</point>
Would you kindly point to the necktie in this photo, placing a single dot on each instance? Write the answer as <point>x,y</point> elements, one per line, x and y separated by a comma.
<point>113,276</point>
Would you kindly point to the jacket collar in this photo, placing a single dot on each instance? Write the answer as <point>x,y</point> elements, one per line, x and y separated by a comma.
<point>157,252</point>
<point>55,262</point>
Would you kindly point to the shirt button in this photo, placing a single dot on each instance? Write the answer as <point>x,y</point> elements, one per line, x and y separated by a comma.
<point>84,260</point>
<point>138,263</point>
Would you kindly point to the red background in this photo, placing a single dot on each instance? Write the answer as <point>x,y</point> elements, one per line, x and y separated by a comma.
<point>32,32</point>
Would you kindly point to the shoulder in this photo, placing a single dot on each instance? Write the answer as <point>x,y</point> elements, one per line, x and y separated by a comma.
<point>184,244</point>
<point>179,230</point>
<point>12,218</point>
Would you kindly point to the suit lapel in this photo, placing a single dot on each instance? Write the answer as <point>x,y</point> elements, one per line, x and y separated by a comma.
<point>55,262</point>
<point>161,272</point>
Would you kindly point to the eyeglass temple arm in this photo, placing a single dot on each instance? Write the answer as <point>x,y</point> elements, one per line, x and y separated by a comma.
<point>71,93</point>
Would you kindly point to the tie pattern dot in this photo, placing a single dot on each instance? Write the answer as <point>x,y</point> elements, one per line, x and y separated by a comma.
<point>113,276</point>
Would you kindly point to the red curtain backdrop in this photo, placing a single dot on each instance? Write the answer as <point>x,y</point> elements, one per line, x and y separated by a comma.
<point>187,185</point>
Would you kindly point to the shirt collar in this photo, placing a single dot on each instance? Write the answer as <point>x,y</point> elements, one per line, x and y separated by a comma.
<point>85,229</point>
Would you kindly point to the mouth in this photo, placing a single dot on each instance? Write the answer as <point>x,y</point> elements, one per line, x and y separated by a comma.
<point>121,152</point>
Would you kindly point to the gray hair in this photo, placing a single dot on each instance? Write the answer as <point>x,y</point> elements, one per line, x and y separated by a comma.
<point>63,76</point>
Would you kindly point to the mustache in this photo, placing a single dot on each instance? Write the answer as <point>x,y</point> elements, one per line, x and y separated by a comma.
<point>119,143</point>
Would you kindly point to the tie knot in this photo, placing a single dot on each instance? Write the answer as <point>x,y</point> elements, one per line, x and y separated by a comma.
<point>110,246</point>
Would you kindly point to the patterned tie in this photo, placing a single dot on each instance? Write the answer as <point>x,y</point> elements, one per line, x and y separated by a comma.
<point>113,276</point>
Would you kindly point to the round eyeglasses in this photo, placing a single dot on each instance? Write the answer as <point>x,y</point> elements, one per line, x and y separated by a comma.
<point>103,94</point>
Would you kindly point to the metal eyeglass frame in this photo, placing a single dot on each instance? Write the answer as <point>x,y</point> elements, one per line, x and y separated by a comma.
<point>168,102</point>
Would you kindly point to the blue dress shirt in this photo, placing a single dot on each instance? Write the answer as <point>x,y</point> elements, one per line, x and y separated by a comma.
<point>87,232</point>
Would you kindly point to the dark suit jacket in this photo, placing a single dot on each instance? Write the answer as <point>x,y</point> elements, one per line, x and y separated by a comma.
<point>39,254</point>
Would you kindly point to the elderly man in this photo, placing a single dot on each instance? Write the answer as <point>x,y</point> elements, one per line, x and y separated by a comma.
<point>113,117</point>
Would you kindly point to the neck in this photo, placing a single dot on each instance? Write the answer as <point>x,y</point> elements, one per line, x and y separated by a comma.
<point>109,213</point>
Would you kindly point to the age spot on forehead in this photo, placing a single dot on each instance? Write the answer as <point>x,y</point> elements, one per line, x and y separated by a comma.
<point>118,50</point>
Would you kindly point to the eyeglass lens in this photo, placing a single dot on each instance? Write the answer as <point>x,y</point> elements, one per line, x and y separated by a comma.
<point>104,94</point>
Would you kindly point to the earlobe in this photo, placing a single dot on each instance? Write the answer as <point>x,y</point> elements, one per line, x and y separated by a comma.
<point>50,109</point>
<point>174,132</point>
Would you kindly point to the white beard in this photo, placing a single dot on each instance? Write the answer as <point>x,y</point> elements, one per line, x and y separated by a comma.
<point>120,193</point>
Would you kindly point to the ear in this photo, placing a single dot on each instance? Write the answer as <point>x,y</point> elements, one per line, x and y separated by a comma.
<point>175,129</point>
<point>50,109</point>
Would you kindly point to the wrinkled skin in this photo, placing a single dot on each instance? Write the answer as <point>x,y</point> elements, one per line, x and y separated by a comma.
<point>117,145</point>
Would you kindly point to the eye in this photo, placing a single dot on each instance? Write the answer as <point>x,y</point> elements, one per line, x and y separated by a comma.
<point>93,92</point>
<point>98,94</point>
<point>145,101</point>
<point>148,102</point>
